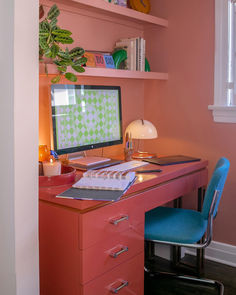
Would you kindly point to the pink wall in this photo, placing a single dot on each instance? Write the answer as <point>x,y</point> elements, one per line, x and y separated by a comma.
<point>177,107</point>
<point>184,123</point>
<point>92,33</point>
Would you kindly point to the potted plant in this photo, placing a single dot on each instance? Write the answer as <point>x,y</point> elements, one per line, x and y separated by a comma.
<point>51,36</point>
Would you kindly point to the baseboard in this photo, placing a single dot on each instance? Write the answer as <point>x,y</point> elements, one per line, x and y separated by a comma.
<point>219,252</point>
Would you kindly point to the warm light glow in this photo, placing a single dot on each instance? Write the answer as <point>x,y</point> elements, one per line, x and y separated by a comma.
<point>140,178</point>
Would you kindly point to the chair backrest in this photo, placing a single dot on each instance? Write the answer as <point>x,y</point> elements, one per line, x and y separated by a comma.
<point>216,183</point>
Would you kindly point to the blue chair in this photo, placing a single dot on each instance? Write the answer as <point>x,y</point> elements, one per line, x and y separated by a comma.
<point>188,228</point>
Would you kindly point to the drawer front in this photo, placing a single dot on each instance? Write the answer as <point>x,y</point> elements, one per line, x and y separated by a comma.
<point>111,252</point>
<point>125,279</point>
<point>108,221</point>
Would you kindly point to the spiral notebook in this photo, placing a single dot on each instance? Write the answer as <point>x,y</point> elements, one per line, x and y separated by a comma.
<point>100,185</point>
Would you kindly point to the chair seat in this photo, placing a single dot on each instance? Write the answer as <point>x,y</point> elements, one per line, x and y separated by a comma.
<point>174,225</point>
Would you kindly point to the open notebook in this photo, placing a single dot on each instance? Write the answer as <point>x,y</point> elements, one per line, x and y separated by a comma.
<point>100,185</point>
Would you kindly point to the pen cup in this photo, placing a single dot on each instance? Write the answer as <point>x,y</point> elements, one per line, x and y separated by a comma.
<point>128,154</point>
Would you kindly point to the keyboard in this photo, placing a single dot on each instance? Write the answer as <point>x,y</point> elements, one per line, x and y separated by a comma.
<point>126,166</point>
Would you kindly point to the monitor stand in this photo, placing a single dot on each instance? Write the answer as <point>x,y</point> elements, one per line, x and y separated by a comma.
<point>100,162</point>
<point>83,160</point>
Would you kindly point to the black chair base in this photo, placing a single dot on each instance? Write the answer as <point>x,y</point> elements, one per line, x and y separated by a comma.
<point>189,279</point>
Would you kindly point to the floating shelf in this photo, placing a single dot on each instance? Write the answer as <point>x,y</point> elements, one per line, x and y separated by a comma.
<point>113,10</point>
<point>108,73</point>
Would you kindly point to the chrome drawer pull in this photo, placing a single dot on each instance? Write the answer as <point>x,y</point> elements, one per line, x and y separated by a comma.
<point>124,284</point>
<point>116,254</point>
<point>116,221</point>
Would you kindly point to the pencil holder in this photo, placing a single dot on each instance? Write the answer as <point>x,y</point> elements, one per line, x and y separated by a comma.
<point>128,154</point>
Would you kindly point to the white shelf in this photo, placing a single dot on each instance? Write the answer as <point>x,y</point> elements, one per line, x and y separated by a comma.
<point>108,73</point>
<point>110,9</point>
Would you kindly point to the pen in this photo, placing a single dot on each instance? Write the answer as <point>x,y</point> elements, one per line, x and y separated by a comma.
<point>148,171</point>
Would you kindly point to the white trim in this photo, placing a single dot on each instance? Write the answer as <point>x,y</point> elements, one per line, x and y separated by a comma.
<point>219,252</point>
<point>221,52</point>
<point>221,111</point>
<point>223,114</point>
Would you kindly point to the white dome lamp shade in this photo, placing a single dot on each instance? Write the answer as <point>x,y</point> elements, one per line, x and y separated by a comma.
<point>141,129</point>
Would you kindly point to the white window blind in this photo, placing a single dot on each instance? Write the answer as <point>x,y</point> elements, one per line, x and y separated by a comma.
<point>224,108</point>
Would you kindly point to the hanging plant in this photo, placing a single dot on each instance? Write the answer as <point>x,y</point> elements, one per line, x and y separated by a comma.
<point>51,36</point>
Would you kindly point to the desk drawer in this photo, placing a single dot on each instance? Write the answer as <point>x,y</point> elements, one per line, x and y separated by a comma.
<point>111,252</point>
<point>109,221</point>
<point>125,279</point>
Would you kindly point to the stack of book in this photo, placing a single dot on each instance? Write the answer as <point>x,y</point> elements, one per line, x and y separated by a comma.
<point>100,185</point>
<point>135,48</point>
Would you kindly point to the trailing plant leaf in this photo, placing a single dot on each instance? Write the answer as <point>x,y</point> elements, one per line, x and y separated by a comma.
<point>48,53</point>
<point>50,38</point>
<point>71,77</point>
<point>53,23</point>
<point>44,25</point>
<point>81,61</point>
<point>64,39</point>
<point>78,69</point>
<point>63,54</point>
<point>56,79</point>
<point>76,52</point>
<point>54,50</point>
<point>53,12</point>
<point>43,44</point>
<point>62,69</point>
<point>66,63</point>
<point>61,32</point>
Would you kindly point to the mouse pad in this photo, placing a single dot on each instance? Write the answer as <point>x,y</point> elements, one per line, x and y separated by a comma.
<point>171,160</point>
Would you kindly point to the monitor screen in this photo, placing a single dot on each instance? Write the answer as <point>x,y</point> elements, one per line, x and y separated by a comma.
<point>85,117</point>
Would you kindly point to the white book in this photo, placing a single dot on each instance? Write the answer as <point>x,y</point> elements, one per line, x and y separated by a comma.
<point>134,53</point>
<point>105,180</point>
<point>142,64</point>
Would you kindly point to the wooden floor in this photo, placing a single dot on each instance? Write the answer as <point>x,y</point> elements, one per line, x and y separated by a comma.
<point>163,286</point>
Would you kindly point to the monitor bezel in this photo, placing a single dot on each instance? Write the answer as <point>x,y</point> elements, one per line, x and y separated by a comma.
<point>90,146</point>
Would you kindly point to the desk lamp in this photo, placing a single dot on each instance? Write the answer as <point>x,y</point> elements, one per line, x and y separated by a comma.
<point>141,129</point>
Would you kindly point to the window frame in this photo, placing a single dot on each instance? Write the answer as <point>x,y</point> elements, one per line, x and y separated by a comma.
<point>222,112</point>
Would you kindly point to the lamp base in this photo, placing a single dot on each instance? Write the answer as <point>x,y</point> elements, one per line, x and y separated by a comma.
<point>143,155</point>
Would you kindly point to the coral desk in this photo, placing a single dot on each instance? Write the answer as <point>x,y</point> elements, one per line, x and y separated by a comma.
<point>97,248</point>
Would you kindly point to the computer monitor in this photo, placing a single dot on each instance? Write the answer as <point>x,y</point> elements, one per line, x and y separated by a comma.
<point>85,117</point>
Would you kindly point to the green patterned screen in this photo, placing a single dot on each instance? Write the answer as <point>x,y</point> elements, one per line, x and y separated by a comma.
<point>85,117</point>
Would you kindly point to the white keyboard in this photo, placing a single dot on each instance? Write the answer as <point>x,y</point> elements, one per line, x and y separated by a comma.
<point>126,166</point>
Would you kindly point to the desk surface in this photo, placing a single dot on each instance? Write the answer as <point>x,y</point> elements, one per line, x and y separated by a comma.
<point>143,182</point>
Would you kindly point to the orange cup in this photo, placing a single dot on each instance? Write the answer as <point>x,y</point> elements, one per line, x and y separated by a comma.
<point>44,153</point>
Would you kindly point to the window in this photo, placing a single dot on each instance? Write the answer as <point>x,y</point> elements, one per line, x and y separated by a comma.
<point>224,108</point>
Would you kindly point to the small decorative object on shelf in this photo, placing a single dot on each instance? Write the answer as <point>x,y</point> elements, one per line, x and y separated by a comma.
<point>119,56</point>
<point>50,38</point>
<point>90,59</point>
<point>140,5</point>
<point>99,60</point>
<point>122,3</point>
<point>118,2</point>
<point>109,61</point>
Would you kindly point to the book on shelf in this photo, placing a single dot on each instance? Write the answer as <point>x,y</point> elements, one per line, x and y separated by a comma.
<point>100,185</point>
<point>135,48</point>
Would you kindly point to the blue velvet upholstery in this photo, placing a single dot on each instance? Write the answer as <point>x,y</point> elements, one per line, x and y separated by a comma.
<point>172,224</point>
<point>216,183</point>
<point>183,225</point>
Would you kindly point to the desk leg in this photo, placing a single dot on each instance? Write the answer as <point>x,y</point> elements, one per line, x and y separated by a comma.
<point>176,250</point>
<point>200,252</point>
<point>201,193</point>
